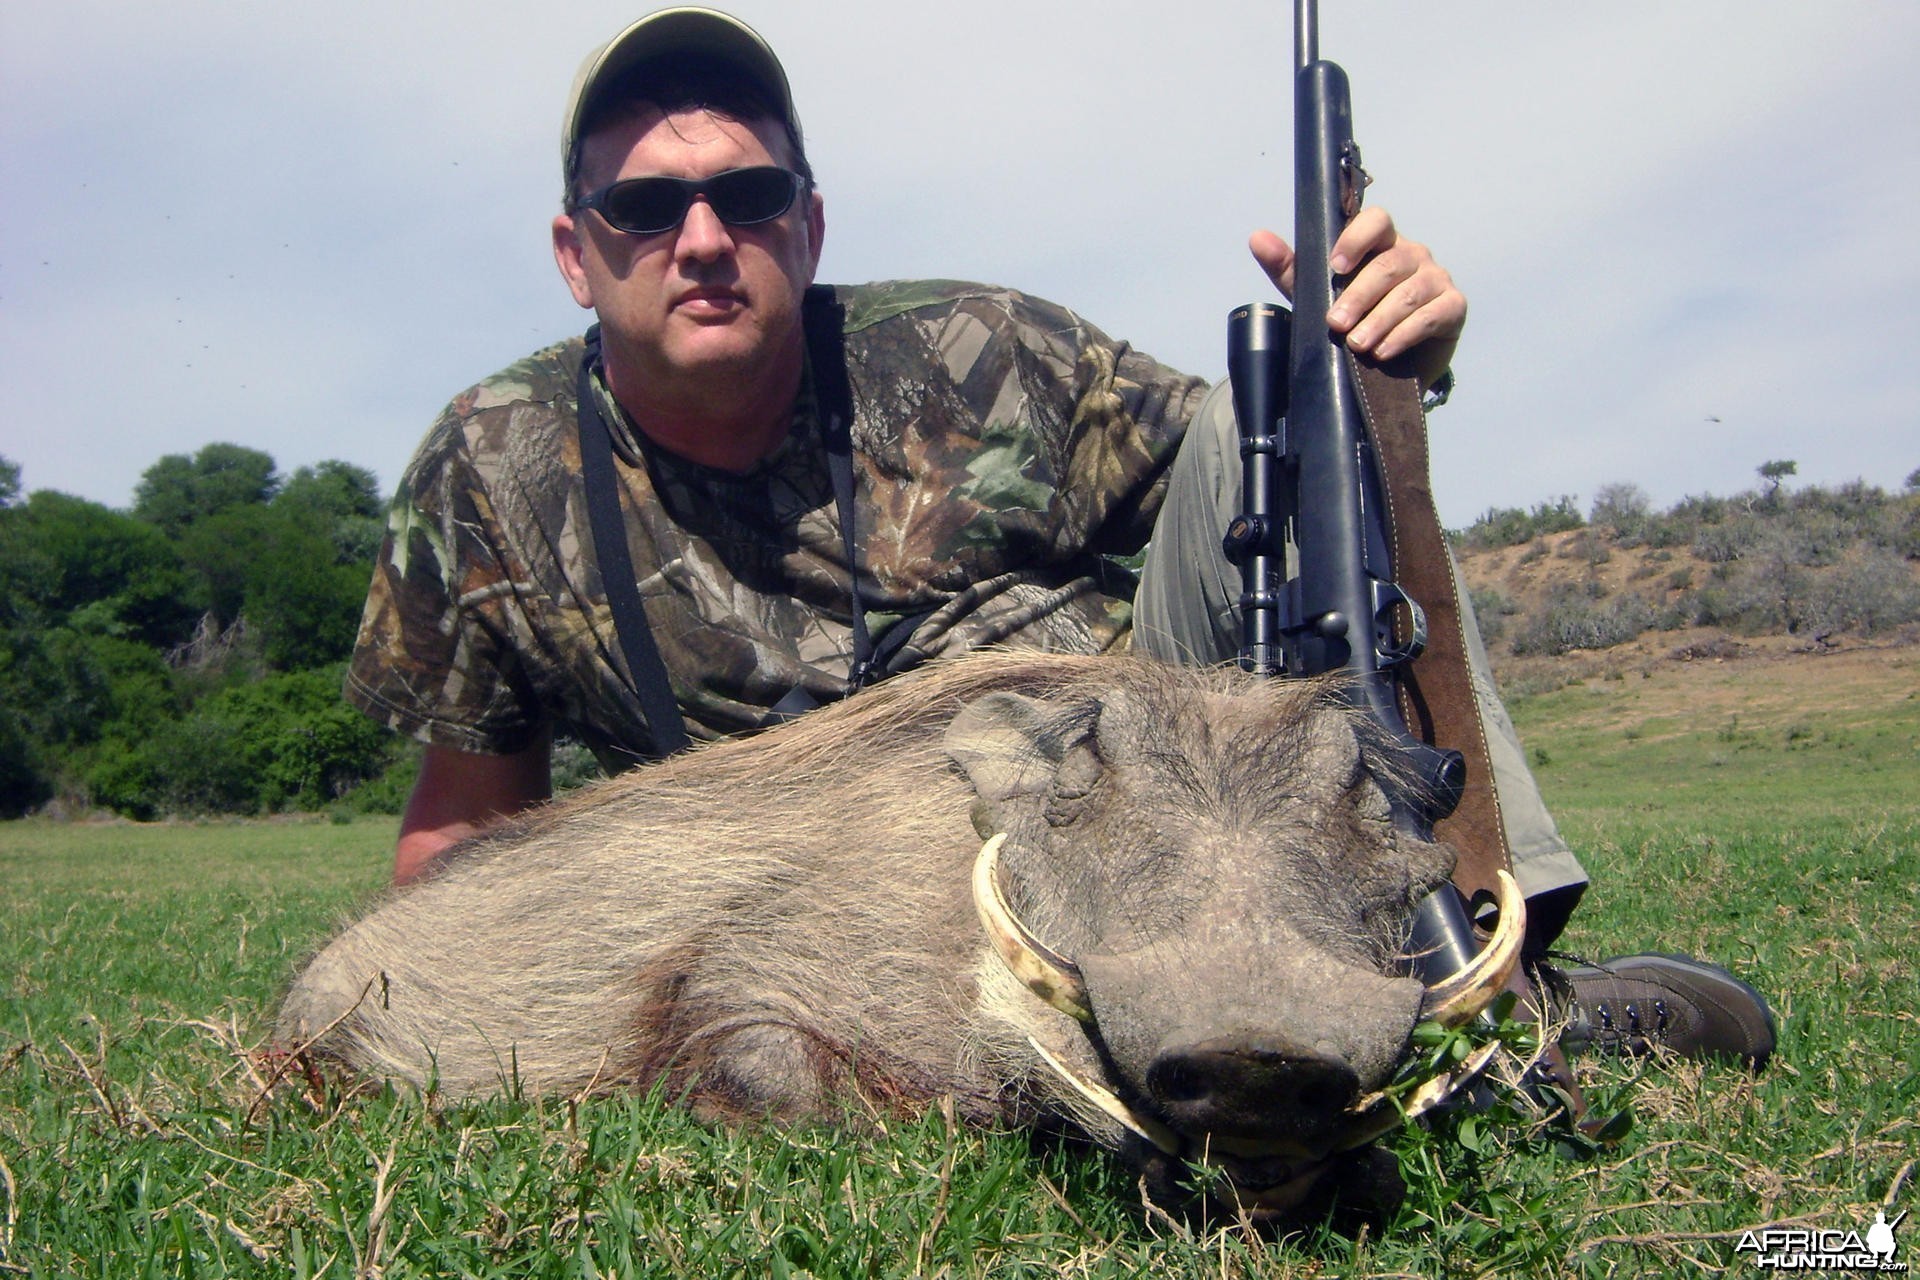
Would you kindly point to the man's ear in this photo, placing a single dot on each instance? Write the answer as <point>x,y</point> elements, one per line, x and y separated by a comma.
<point>816,231</point>
<point>569,253</point>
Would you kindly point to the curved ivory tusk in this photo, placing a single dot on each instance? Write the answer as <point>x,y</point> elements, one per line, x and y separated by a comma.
<point>1455,1001</point>
<point>1374,1115</point>
<point>1046,972</point>
<point>1109,1102</point>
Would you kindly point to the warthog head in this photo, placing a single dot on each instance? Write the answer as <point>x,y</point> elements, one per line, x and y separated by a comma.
<point>1216,892</point>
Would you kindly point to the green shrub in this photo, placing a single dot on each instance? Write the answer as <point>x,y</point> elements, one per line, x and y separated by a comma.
<point>1623,508</point>
<point>1899,528</point>
<point>1873,593</point>
<point>25,781</point>
<point>1725,541</point>
<point>388,790</point>
<point>285,742</point>
<point>1571,620</point>
<point>1491,610</point>
<point>1510,526</point>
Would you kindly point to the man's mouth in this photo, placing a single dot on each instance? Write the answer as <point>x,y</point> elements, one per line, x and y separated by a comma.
<point>709,302</point>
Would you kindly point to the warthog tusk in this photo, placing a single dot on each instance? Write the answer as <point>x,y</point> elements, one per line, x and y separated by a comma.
<point>1375,1114</point>
<point>1046,972</point>
<point>1456,1001</point>
<point>1109,1102</point>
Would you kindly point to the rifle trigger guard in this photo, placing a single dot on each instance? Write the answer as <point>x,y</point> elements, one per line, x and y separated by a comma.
<point>1385,596</point>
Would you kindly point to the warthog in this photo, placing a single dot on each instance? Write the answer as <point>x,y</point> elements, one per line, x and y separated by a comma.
<point>1181,937</point>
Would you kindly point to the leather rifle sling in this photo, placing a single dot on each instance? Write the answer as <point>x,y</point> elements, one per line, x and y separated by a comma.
<point>1436,689</point>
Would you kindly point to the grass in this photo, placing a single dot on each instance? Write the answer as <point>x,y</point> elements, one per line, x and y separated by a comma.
<point>141,964</point>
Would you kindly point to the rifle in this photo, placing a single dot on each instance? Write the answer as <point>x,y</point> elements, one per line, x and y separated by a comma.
<point>1311,478</point>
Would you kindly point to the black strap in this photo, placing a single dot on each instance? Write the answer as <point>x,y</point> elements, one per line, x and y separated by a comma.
<point>657,703</point>
<point>823,318</point>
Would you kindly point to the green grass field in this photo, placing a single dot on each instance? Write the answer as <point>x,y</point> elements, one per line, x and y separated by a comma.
<point>141,965</point>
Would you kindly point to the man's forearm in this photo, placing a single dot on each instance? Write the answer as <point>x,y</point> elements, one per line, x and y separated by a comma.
<point>460,794</point>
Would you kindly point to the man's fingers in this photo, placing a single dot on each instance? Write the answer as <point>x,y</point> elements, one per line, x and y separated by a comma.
<point>1398,299</point>
<point>1415,318</point>
<point>1370,232</point>
<point>1433,332</point>
<point>1395,298</point>
<point>1275,257</point>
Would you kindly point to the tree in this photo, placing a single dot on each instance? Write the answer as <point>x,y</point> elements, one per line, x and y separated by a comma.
<point>10,482</point>
<point>334,489</point>
<point>179,491</point>
<point>1774,472</point>
<point>348,498</point>
<point>280,566</point>
<point>59,554</point>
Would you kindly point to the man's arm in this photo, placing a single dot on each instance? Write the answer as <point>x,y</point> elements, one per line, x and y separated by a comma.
<point>460,794</point>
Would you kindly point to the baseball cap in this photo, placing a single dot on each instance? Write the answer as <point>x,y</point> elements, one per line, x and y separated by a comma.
<point>682,30</point>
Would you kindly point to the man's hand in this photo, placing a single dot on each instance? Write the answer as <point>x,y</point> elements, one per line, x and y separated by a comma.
<point>1399,300</point>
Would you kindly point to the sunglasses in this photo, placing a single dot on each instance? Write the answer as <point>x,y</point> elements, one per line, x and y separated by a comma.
<point>738,197</point>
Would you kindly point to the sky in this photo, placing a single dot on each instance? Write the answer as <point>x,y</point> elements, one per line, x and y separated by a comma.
<point>1684,229</point>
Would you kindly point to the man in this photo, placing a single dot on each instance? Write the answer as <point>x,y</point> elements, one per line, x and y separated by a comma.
<point>999,451</point>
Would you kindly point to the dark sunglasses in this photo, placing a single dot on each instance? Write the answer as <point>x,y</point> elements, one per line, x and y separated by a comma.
<point>738,197</point>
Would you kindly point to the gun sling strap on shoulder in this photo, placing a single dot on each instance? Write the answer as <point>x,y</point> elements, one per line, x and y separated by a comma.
<point>823,320</point>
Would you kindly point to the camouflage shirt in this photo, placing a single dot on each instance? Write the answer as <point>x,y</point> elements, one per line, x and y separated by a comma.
<point>1002,449</point>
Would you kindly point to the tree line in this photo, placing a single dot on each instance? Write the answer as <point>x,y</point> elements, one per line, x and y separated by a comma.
<point>185,656</point>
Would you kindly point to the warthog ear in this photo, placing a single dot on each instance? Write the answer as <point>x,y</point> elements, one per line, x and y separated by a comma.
<point>1011,745</point>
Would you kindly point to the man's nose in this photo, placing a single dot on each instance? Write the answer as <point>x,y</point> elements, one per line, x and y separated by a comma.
<point>703,237</point>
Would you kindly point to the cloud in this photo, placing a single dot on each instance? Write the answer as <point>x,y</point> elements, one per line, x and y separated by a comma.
<point>303,228</point>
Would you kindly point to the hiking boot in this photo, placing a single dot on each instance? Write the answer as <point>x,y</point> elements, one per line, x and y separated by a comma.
<point>1636,1004</point>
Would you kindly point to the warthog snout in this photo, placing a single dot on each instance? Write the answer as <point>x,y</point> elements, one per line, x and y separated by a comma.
<point>1255,1087</point>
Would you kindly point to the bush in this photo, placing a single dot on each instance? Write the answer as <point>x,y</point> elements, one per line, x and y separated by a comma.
<point>388,791</point>
<point>1899,528</point>
<point>1491,611</point>
<point>1810,537</point>
<point>25,781</point>
<point>1624,508</point>
<point>1874,593</point>
<point>285,742</point>
<point>1510,526</point>
<point>1572,620</point>
<point>1725,541</point>
<point>66,688</point>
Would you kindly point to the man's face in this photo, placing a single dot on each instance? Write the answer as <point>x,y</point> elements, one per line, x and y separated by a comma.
<point>705,308</point>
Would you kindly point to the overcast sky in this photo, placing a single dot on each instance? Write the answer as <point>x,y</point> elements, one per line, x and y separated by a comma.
<point>1685,228</point>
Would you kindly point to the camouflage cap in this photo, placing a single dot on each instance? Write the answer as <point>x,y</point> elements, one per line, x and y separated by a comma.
<point>685,29</point>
